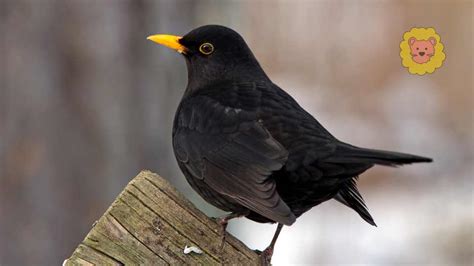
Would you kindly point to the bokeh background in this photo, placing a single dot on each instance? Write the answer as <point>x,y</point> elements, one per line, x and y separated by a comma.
<point>86,103</point>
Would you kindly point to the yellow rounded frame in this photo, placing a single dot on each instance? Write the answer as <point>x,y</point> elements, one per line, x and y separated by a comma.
<point>405,53</point>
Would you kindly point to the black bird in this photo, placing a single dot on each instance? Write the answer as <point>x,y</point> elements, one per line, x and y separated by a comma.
<point>248,148</point>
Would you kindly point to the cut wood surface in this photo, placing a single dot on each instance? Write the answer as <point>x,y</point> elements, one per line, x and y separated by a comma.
<point>151,223</point>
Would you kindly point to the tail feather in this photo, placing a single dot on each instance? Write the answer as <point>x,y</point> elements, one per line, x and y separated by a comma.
<point>350,154</point>
<point>350,196</point>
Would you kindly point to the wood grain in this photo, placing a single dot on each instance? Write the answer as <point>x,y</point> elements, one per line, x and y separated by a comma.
<point>150,223</point>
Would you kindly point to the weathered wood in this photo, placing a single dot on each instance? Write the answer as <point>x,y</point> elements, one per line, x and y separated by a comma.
<point>150,223</point>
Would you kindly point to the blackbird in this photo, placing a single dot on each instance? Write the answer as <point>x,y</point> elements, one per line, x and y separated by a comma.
<point>248,148</point>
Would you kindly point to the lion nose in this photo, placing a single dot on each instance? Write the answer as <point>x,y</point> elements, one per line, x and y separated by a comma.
<point>422,53</point>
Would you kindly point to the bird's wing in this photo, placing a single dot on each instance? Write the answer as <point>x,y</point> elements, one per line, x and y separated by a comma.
<point>232,152</point>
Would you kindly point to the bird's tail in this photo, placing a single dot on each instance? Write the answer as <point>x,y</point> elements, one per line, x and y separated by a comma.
<point>349,195</point>
<point>350,154</point>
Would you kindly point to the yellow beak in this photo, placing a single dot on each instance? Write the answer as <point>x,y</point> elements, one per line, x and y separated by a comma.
<point>170,41</point>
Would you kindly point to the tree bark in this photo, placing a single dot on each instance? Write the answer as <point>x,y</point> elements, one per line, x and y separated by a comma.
<point>150,222</point>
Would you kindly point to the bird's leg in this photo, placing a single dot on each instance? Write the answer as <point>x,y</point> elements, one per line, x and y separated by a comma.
<point>224,220</point>
<point>266,255</point>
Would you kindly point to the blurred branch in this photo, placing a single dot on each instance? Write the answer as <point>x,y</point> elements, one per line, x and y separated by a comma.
<point>150,222</point>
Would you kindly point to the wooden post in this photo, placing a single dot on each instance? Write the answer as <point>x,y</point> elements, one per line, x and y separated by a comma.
<point>151,223</point>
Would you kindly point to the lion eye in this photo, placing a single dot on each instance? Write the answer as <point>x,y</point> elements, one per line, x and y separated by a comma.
<point>426,48</point>
<point>206,48</point>
<point>416,48</point>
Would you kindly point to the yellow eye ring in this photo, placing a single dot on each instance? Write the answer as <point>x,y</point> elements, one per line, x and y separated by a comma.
<point>206,48</point>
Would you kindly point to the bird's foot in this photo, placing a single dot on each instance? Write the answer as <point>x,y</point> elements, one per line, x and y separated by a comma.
<point>223,221</point>
<point>266,255</point>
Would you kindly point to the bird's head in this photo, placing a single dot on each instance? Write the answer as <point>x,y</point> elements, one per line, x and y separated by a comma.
<point>214,54</point>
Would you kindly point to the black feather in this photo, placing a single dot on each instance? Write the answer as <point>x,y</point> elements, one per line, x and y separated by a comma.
<point>349,195</point>
<point>247,146</point>
<point>346,153</point>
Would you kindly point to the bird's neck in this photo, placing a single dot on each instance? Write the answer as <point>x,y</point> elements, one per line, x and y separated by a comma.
<point>244,71</point>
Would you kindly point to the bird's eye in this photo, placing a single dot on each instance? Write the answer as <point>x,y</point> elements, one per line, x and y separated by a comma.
<point>206,48</point>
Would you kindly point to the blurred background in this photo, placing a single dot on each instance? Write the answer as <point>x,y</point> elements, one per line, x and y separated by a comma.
<point>86,102</point>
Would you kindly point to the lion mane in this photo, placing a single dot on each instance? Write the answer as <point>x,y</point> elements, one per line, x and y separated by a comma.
<point>421,34</point>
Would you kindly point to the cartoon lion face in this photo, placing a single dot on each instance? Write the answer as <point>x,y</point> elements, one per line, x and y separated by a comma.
<point>421,50</point>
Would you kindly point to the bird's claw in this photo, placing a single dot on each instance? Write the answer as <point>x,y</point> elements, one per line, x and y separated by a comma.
<point>222,221</point>
<point>221,246</point>
<point>266,256</point>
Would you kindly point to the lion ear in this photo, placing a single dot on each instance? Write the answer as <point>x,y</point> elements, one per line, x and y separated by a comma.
<point>411,41</point>
<point>432,40</point>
